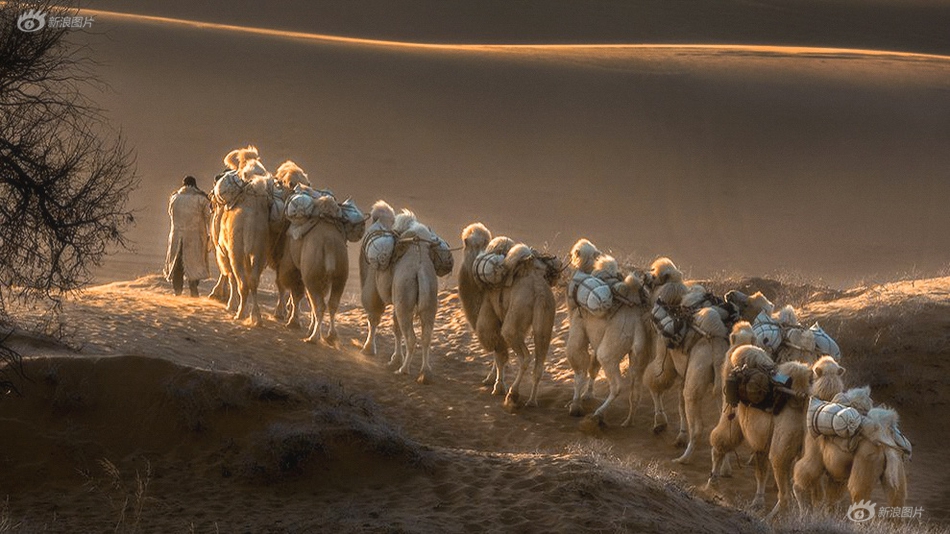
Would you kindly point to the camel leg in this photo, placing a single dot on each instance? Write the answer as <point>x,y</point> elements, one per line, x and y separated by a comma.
<point>490,377</point>
<point>865,471</point>
<point>409,334</point>
<point>396,358</point>
<point>806,475</point>
<point>659,375</point>
<point>614,380</point>
<point>761,473</point>
<point>592,373</point>
<point>297,294</point>
<point>696,387</point>
<point>520,348</point>
<point>541,343</point>
<point>257,269</point>
<point>682,436</point>
<point>724,438</point>
<point>372,322</point>
<point>316,308</point>
<point>580,360</point>
<point>501,361</point>
<point>333,305</point>
<point>427,314</point>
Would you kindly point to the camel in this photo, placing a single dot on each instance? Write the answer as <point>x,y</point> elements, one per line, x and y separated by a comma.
<point>317,249</point>
<point>412,287</point>
<point>620,333</point>
<point>244,239</point>
<point>775,438</point>
<point>475,240</point>
<point>372,296</point>
<point>791,342</point>
<point>234,161</point>
<point>524,304</point>
<point>697,361</point>
<point>707,339</point>
<point>876,453</point>
<point>582,257</point>
<point>290,289</point>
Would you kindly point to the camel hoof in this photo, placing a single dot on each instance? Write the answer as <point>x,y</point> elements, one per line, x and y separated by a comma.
<point>292,324</point>
<point>423,379</point>
<point>402,371</point>
<point>658,428</point>
<point>682,460</point>
<point>368,351</point>
<point>592,423</point>
<point>488,381</point>
<point>498,390</point>
<point>331,338</point>
<point>532,403</point>
<point>576,411</point>
<point>511,399</point>
<point>712,484</point>
<point>758,503</point>
<point>682,440</point>
<point>627,422</point>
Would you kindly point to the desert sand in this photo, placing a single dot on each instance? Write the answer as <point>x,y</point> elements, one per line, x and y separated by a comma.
<point>802,141</point>
<point>236,429</point>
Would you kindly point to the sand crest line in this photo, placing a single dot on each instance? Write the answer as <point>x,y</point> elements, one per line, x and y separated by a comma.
<point>514,48</point>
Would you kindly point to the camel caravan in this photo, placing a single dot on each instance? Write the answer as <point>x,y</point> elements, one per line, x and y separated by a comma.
<point>776,383</point>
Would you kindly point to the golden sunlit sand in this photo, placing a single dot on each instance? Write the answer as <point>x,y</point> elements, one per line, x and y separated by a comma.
<point>225,418</point>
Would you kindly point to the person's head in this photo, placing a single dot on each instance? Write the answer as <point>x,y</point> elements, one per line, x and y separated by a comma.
<point>190,180</point>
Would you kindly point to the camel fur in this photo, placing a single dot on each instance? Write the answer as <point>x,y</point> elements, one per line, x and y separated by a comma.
<point>244,240</point>
<point>413,287</point>
<point>320,256</point>
<point>523,305</point>
<point>622,333</point>
<point>876,454</point>
<point>382,218</point>
<point>775,439</point>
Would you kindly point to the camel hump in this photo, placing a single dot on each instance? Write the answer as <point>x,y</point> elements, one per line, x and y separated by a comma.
<point>583,256</point>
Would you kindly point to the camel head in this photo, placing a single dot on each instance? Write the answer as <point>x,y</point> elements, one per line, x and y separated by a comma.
<point>663,271</point>
<point>583,255</point>
<point>403,221</point>
<point>754,305</point>
<point>236,159</point>
<point>475,237</point>
<point>826,378</point>
<point>289,174</point>
<point>383,214</point>
<point>752,356</point>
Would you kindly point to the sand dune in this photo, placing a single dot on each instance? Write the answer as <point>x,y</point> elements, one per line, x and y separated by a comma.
<point>225,417</point>
<point>824,163</point>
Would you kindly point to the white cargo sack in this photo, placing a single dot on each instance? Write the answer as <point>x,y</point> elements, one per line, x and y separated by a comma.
<point>378,248</point>
<point>229,188</point>
<point>441,256</point>
<point>354,222</point>
<point>832,419</point>
<point>591,293</point>
<point>824,343</point>
<point>489,269</point>
<point>299,208</point>
<point>768,333</point>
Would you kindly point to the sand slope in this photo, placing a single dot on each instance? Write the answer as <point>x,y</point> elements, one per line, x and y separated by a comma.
<point>252,429</point>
